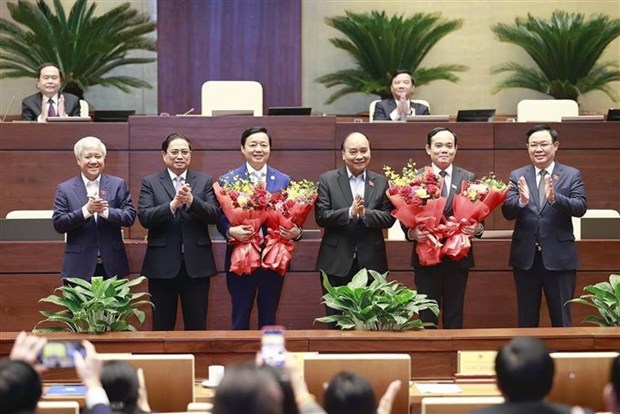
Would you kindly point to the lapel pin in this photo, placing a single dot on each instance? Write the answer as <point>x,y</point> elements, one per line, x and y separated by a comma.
<point>371,183</point>
<point>273,177</point>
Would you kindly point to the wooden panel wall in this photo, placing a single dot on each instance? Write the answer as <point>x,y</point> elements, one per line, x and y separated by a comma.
<point>201,40</point>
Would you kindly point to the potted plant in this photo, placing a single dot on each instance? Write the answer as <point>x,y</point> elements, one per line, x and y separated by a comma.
<point>84,46</point>
<point>566,50</point>
<point>605,298</point>
<point>380,44</point>
<point>101,305</point>
<point>380,306</point>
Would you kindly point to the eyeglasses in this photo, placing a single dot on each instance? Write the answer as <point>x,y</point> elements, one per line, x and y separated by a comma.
<point>543,145</point>
<point>176,152</point>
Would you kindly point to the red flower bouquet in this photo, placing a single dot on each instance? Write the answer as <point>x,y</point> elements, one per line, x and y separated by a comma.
<point>244,203</point>
<point>288,207</point>
<point>416,199</point>
<point>472,205</point>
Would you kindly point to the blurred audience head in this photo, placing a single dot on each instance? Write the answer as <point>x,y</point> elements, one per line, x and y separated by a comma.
<point>524,370</point>
<point>120,382</point>
<point>612,390</point>
<point>248,389</point>
<point>20,387</point>
<point>349,393</point>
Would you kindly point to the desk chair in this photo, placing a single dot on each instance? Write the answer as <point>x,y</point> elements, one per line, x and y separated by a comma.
<point>457,405</point>
<point>84,108</point>
<point>371,107</point>
<point>546,110</point>
<point>231,96</point>
<point>58,407</point>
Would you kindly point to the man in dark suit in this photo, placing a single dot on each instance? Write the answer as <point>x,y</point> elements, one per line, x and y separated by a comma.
<point>48,102</point>
<point>543,197</point>
<point>400,106</point>
<point>525,372</point>
<point>445,282</point>
<point>264,285</point>
<point>353,208</point>
<point>611,393</point>
<point>176,206</point>
<point>91,209</point>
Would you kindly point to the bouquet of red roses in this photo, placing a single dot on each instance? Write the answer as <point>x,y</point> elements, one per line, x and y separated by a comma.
<point>472,205</point>
<point>287,207</point>
<point>417,202</point>
<point>244,203</point>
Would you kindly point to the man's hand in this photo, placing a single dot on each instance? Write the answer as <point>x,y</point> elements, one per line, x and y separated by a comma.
<point>403,107</point>
<point>357,208</point>
<point>418,233</point>
<point>26,348</point>
<point>291,233</point>
<point>88,368</point>
<point>524,191</point>
<point>472,229</point>
<point>243,233</point>
<point>61,106</point>
<point>549,189</point>
<point>385,404</point>
<point>96,204</point>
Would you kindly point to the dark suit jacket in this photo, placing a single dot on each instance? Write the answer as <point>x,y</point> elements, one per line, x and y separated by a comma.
<point>459,176</point>
<point>342,235</point>
<point>275,181</point>
<point>86,236</point>
<point>538,407</point>
<point>100,409</point>
<point>183,235</point>
<point>384,108</point>
<point>31,106</point>
<point>553,221</point>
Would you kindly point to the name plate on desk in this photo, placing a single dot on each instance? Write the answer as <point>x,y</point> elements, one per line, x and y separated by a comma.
<point>476,363</point>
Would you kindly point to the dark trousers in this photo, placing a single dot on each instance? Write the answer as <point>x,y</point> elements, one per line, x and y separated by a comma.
<point>263,285</point>
<point>194,295</point>
<point>559,287</point>
<point>339,281</point>
<point>99,271</point>
<point>445,283</point>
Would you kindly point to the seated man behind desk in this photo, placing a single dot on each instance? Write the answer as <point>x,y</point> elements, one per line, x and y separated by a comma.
<point>48,102</point>
<point>400,106</point>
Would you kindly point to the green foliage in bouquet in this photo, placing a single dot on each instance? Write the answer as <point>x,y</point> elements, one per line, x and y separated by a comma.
<point>95,307</point>
<point>605,298</point>
<point>381,306</point>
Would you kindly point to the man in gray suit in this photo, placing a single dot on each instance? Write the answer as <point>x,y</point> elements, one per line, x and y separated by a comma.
<point>353,208</point>
<point>445,282</point>
<point>176,205</point>
<point>542,198</point>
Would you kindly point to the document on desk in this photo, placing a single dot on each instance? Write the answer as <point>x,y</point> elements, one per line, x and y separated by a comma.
<point>438,388</point>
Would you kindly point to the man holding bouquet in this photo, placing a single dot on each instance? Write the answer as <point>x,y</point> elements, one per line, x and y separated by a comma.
<point>353,208</point>
<point>542,198</point>
<point>262,284</point>
<point>446,281</point>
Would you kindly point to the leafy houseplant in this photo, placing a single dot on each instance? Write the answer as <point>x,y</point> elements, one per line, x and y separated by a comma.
<point>605,298</point>
<point>95,307</point>
<point>380,44</point>
<point>381,306</point>
<point>566,50</point>
<point>84,46</point>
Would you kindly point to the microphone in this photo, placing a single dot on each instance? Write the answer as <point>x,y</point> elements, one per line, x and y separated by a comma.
<point>9,108</point>
<point>188,112</point>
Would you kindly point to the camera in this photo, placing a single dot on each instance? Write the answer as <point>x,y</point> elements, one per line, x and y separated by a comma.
<point>59,354</point>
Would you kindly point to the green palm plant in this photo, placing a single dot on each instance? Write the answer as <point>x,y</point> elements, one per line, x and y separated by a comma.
<point>380,44</point>
<point>84,46</point>
<point>566,50</point>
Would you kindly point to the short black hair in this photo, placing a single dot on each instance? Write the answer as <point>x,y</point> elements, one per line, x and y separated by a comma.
<point>400,72</point>
<point>435,131</point>
<point>120,381</point>
<point>524,370</point>
<point>254,130</point>
<point>175,135</point>
<point>554,134</point>
<point>349,393</point>
<point>615,377</point>
<point>47,64</point>
<point>20,386</point>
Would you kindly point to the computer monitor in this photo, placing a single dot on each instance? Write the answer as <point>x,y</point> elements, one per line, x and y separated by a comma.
<point>113,115</point>
<point>475,115</point>
<point>289,110</point>
<point>613,114</point>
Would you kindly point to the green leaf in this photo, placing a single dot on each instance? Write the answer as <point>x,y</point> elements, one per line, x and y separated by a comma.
<point>605,298</point>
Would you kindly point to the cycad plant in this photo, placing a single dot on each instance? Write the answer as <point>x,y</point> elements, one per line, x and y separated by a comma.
<point>566,49</point>
<point>380,44</point>
<point>84,46</point>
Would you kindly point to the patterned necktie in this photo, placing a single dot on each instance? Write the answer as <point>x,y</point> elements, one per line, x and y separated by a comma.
<point>444,187</point>
<point>542,196</point>
<point>178,183</point>
<point>51,111</point>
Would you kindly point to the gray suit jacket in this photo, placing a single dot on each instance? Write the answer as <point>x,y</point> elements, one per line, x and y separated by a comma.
<point>183,235</point>
<point>552,222</point>
<point>31,106</point>
<point>343,236</point>
<point>384,108</point>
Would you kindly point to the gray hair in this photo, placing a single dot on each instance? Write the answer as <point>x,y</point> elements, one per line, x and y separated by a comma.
<point>88,142</point>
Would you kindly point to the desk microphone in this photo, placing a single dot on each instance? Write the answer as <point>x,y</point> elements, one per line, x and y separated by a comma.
<point>188,112</point>
<point>9,108</point>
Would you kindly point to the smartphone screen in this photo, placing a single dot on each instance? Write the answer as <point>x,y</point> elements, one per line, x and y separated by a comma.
<point>272,346</point>
<point>59,354</point>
